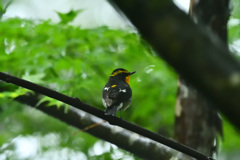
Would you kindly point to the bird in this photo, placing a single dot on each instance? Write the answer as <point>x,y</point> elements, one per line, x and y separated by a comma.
<point>117,94</point>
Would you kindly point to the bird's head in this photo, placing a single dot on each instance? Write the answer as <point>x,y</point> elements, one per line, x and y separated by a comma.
<point>121,74</point>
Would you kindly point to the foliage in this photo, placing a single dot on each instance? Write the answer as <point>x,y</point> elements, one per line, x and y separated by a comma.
<point>77,62</point>
<point>68,17</point>
<point>234,32</point>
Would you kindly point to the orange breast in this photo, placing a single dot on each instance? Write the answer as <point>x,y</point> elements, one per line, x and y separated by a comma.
<point>127,79</point>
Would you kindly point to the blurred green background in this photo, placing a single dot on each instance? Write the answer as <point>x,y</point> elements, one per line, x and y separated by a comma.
<point>77,62</point>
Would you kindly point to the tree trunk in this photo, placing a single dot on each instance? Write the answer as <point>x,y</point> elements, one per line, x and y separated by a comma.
<point>197,121</point>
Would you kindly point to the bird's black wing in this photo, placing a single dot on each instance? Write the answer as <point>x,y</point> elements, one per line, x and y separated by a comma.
<point>115,95</point>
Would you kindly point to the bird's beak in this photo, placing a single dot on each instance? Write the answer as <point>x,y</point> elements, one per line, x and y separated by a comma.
<point>130,73</point>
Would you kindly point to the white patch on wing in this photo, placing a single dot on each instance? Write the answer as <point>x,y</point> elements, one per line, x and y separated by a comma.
<point>120,106</point>
<point>122,90</point>
<point>104,103</point>
<point>106,88</point>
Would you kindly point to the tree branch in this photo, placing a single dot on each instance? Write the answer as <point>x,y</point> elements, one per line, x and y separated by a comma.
<point>98,113</point>
<point>130,141</point>
<point>193,50</point>
<point>193,111</point>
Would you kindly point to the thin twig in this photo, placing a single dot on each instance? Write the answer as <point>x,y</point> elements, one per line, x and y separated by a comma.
<point>98,113</point>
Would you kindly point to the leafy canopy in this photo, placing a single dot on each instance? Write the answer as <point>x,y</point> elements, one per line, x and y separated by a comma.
<point>77,62</point>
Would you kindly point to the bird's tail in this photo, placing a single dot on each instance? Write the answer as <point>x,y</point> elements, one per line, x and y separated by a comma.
<point>112,110</point>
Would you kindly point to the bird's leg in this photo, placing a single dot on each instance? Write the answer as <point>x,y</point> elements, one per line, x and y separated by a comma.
<point>120,114</point>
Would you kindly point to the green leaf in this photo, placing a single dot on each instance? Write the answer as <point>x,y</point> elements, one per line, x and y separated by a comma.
<point>69,16</point>
<point>50,102</point>
<point>35,78</point>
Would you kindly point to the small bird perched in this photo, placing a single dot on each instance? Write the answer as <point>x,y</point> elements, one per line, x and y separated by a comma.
<point>117,94</point>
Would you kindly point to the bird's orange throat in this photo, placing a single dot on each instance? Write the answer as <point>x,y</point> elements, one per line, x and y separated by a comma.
<point>127,79</point>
